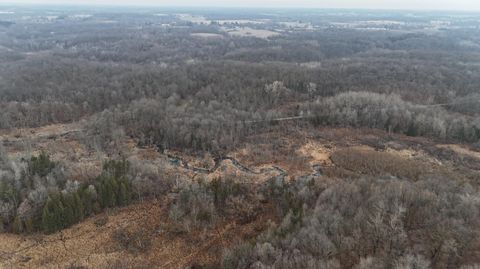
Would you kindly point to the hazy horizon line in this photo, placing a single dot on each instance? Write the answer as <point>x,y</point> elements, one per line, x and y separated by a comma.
<point>279,7</point>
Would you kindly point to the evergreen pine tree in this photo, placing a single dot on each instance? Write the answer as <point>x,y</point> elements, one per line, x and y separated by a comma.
<point>58,213</point>
<point>79,211</point>
<point>17,225</point>
<point>109,195</point>
<point>48,216</point>
<point>68,211</point>
<point>87,202</point>
<point>122,195</point>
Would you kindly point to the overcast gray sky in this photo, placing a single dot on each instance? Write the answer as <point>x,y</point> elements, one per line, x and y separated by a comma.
<point>380,4</point>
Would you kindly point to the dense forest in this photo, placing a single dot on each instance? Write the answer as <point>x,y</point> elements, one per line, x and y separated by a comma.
<point>205,82</point>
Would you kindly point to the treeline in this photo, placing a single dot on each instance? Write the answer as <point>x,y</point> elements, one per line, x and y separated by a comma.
<point>198,124</point>
<point>391,113</point>
<point>27,114</point>
<point>63,97</point>
<point>191,125</point>
<point>202,125</point>
<point>41,200</point>
<point>195,123</point>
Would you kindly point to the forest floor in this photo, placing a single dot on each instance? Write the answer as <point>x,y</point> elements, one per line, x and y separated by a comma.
<point>92,242</point>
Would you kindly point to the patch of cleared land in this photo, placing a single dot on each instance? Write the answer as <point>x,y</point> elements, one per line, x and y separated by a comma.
<point>250,32</point>
<point>311,64</point>
<point>207,35</point>
<point>316,153</point>
<point>297,24</point>
<point>81,16</point>
<point>223,22</point>
<point>462,150</point>
<point>203,20</point>
<point>108,21</point>
<point>193,18</point>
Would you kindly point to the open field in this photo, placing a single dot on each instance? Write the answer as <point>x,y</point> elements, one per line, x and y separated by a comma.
<point>250,32</point>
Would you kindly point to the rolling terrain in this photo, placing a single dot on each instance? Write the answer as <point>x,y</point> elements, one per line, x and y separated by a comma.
<point>239,138</point>
<point>323,155</point>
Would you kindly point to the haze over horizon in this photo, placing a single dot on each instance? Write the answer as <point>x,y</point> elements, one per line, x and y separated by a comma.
<point>466,5</point>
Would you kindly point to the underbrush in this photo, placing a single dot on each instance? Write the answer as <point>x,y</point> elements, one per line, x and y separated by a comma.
<point>370,223</point>
<point>375,163</point>
<point>133,239</point>
<point>202,204</point>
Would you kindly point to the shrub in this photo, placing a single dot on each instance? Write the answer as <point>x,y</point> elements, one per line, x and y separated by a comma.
<point>243,209</point>
<point>223,188</point>
<point>193,208</point>
<point>135,240</point>
<point>201,203</point>
<point>410,261</point>
<point>41,165</point>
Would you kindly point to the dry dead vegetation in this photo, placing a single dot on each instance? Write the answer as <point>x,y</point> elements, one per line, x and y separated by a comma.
<point>138,236</point>
<point>366,161</point>
<point>200,139</point>
<point>145,235</point>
